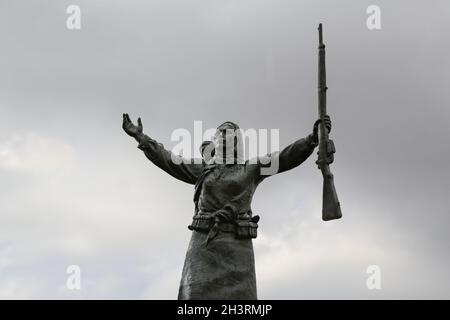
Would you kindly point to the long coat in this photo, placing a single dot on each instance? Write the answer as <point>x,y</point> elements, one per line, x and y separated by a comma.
<point>222,266</point>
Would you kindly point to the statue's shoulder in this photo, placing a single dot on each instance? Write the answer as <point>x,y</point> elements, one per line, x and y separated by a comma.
<point>252,167</point>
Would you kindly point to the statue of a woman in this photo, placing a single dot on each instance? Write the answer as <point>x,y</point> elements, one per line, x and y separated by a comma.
<point>219,261</point>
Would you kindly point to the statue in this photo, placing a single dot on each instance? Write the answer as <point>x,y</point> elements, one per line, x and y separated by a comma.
<point>219,262</point>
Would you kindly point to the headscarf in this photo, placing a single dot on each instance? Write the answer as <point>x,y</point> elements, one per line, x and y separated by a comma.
<point>234,146</point>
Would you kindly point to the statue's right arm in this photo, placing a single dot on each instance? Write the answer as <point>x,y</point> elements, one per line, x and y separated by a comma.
<point>181,169</point>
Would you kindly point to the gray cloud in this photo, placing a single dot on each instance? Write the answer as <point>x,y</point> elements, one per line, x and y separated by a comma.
<point>75,190</point>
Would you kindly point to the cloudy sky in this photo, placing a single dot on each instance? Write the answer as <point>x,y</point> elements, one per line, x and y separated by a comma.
<point>75,190</point>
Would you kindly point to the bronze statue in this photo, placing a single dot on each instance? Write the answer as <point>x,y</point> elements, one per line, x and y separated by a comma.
<point>219,261</point>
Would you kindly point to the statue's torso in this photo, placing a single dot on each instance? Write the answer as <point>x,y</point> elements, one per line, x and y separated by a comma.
<point>229,187</point>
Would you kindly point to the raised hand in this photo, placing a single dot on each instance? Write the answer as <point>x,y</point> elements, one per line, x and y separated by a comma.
<point>130,128</point>
<point>327,122</point>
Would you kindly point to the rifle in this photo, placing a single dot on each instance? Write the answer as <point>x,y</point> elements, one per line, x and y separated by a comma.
<point>330,204</point>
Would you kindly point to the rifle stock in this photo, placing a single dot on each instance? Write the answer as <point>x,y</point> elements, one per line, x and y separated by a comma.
<point>330,204</point>
<point>331,208</point>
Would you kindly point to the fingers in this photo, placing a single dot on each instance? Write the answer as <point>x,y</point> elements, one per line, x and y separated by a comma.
<point>326,121</point>
<point>139,122</point>
<point>126,117</point>
<point>124,121</point>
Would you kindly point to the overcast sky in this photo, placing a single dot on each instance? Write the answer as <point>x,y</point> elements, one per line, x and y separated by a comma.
<point>75,190</point>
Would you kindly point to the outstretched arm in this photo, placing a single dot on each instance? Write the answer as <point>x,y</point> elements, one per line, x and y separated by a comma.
<point>291,156</point>
<point>176,166</point>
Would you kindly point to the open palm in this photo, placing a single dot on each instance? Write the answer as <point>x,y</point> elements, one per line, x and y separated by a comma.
<point>130,128</point>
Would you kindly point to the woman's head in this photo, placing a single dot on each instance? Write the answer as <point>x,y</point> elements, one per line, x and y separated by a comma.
<point>228,143</point>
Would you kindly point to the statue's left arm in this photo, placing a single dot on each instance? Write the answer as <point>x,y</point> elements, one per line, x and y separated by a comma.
<point>291,156</point>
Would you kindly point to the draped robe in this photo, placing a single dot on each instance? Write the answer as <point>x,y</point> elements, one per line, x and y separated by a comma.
<point>223,268</point>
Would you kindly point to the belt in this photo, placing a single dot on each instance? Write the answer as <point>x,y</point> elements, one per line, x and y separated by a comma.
<point>215,222</point>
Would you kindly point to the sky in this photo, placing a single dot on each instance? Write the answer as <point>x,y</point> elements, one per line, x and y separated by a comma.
<point>75,190</point>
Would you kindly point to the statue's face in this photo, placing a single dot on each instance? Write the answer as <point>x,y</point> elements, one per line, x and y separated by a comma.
<point>224,134</point>
<point>207,150</point>
<point>228,142</point>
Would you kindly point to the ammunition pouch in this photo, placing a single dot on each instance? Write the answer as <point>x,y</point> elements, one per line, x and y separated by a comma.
<point>246,229</point>
<point>242,228</point>
<point>201,222</point>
